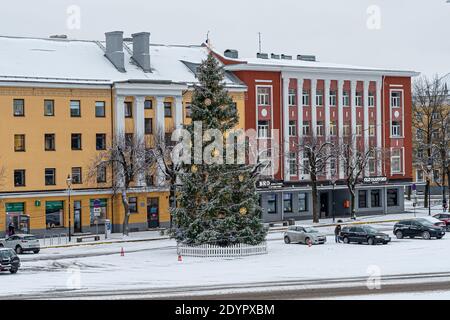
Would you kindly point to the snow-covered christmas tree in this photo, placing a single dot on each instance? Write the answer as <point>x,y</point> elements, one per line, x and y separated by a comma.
<point>216,203</point>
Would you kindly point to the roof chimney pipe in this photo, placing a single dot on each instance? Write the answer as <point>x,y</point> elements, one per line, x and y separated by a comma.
<point>114,49</point>
<point>141,50</point>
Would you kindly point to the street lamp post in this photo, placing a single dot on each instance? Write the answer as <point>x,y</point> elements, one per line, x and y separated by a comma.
<point>69,189</point>
<point>334,202</point>
<point>429,167</point>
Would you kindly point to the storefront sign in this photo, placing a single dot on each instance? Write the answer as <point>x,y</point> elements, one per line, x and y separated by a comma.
<point>15,207</point>
<point>373,180</point>
<point>54,205</point>
<point>268,184</point>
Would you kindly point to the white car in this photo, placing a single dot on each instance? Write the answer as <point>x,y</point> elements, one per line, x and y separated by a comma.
<point>21,243</point>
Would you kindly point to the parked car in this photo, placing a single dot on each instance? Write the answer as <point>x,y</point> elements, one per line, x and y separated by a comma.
<point>9,261</point>
<point>299,234</point>
<point>444,217</point>
<point>417,228</point>
<point>21,243</point>
<point>434,221</point>
<point>363,234</point>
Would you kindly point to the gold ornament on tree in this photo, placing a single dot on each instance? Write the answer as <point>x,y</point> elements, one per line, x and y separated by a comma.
<point>243,211</point>
<point>194,168</point>
<point>241,178</point>
<point>208,102</point>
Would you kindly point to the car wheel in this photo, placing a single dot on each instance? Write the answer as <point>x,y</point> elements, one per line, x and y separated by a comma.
<point>19,250</point>
<point>13,270</point>
<point>399,234</point>
<point>426,235</point>
<point>439,238</point>
<point>287,240</point>
<point>307,240</point>
<point>346,241</point>
<point>36,251</point>
<point>371,241</point>
<point>1,245</point>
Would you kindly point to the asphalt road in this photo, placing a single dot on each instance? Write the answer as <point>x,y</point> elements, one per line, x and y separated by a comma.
<point>300,289</point>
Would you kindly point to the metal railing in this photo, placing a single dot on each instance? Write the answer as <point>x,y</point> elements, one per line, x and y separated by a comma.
<point>207,250</point>
<point>54,239</point>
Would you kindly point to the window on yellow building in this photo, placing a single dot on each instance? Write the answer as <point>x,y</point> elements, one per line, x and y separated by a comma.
<point>49,108</point>
<point>101,174</point>
<point>19,142</point>
<point>148,104</point>
<point>133,205</point>
<point>148,125</point>
<point>19,178</point>
<point>100,110</point>
<point>168,109</point>
<point>77,177</point>
<point>19,107</point>
<point>50,176</point>
<point>75,108</point>
<point>188,110</point>
<point>100,141</point>
<point>76,141</point>
<point>128,109</point>
<point>49,142</point>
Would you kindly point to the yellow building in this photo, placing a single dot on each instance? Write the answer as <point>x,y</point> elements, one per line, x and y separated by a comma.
<point>62,101</point>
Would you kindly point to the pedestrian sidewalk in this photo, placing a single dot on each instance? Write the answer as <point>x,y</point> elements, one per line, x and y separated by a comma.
<point>61,242</point>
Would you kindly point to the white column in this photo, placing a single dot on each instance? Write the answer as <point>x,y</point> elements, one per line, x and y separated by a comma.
<point>138,112</point>
<point>326,97</point>
<point>313,107</point>
<point>160,128</point>
<point>300,82</point>
<point>379,126</point>
<point>353,84</point>
<point>366,120</point>
<point>139,131</point>
<point>285,137</point>
<point>178,112</point>
<point>119,114</point>
<point>340,123</point>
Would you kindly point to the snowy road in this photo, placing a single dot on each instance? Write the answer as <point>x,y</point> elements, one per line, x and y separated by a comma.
<point>151,270</point>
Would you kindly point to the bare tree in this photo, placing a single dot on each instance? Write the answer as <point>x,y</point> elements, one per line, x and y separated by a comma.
<point>128,160</point>
<point>316,153</point>
<point>354,159</point>
<point>431,123</point>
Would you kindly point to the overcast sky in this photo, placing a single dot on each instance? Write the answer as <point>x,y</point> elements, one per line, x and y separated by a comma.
<point>401,34</point>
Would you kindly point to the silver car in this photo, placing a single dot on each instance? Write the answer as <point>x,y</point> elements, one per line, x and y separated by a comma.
<point>299,234</point>
<point>21,243</point>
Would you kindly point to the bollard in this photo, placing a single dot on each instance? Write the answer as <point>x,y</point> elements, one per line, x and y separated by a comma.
<point>309,243</point>
<point>180,259</point>
<point>122,252</point>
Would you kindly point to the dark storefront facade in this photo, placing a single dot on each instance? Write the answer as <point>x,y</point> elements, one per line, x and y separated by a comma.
<point>281,202</point>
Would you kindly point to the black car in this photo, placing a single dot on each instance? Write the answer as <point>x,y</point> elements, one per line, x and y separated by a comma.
<point>417,228</point>
<point>9,261</point>
<point>363,234</point>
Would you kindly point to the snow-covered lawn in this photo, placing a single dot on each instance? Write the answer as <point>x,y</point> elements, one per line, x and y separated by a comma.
<point>154,265</point>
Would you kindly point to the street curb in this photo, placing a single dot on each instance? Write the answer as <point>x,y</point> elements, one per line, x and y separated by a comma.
<point>103,242</point>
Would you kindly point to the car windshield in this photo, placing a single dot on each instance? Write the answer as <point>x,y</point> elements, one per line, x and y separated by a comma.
<point>370,229</point>
<point>426,222</point>
<point>310,230</point>
<point>5,254</point>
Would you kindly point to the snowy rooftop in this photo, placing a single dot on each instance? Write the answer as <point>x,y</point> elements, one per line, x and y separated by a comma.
<point>84,61</point>
<point>295,64</point>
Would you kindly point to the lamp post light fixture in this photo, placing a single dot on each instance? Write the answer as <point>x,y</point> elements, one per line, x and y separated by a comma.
<point>69,189</point>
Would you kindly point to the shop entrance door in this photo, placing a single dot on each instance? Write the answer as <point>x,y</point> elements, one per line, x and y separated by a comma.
<point>77,225</point>
<point>324,205</point>
<point>153,212</point>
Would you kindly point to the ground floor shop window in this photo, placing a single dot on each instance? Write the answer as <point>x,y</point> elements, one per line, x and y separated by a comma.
<point>287,201</point>
<point>133,204</point>
<point>302,202</point>
<point>375,199</point>
<point>362,199</point>
<point>54,214</point>
<point>272,203</point>
<point>16,219</point>
<point>392,197</point>
<point>98,209</point>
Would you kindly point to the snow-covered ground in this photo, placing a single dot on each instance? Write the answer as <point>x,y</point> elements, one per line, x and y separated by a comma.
<point>154,265</point>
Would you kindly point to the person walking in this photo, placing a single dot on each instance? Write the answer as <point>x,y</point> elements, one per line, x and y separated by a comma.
<point>337,232</point>
<point>11,229</point>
